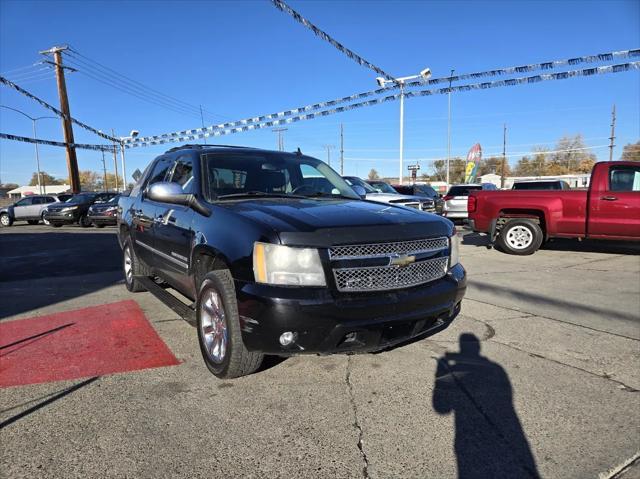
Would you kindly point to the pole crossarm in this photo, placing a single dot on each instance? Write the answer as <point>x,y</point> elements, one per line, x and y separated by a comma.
<point>190,135</point>
<point>24,92</point>
<point>280,5</point>
<point>83,146</point>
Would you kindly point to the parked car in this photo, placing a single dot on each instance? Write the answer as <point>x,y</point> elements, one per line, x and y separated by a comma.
<point>372,194</point>
<point>29,209</point>
<point>382,187</point>
<point>104,213</point>
<point>455,201</point>
<point>424,191</point>
<point>276,266</point>
<point>520,221</point>
<point>75,209</point>
<point>64,196</point>
<point>541,185</point>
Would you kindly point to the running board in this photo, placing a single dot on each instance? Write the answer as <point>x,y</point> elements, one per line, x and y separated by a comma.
<point>184,311</point>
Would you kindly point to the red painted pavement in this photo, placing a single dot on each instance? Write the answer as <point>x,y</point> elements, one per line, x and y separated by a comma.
<point>94,341</point>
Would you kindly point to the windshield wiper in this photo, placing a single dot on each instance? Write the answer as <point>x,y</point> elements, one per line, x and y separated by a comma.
<point>262,194</point>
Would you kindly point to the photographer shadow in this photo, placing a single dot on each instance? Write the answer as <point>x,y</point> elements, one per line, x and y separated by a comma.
<point>489,439</point>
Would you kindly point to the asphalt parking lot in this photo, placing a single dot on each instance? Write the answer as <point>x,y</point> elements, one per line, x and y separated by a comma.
<point>538,377</point>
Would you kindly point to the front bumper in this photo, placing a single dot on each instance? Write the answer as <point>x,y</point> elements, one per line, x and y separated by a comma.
<point>103,219</point>
<point>325,323</point>
<point>63,217</point>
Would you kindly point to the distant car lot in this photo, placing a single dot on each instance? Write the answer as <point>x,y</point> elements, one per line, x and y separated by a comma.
<point>552,387</point>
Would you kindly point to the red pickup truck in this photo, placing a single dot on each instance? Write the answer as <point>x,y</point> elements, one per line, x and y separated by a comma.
<point>518,222</point>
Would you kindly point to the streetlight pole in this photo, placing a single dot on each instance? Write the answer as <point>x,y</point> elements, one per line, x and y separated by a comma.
<point>33,122</point>
<point>401,131</point>
<point>424,75</point>
<point>449,129</point>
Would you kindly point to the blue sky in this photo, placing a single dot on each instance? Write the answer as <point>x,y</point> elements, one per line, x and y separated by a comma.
<point>246,58</point>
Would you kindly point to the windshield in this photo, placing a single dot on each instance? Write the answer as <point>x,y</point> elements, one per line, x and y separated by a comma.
<point>113,200</point>
<point>383,187</point>
<point>81,198</point>
<point>425,190</point>
<point>462,190</point>
<point>238,175</point>
<point>355,181</point>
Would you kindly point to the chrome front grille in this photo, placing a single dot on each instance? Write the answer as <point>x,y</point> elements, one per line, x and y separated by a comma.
<point>390,277</point>
<point>363,277</point>
<point>388,249</point>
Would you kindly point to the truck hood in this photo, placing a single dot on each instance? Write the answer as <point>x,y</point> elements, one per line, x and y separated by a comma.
<point>327,222</point>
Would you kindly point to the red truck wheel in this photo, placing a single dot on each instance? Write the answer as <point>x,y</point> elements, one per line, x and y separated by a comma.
<point>520,237</point>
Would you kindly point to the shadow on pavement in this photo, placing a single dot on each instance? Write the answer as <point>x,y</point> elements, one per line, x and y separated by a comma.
<point>46,402</point>
<point>38,269</point>
<point>570,306</point>
<point>489,439</point>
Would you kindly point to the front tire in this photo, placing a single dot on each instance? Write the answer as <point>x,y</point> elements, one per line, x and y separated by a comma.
<point>520,237</point>
<point>131,268</point>
<point>84,221</point>
<point>219,334</point>
<point>44,219</point>
<point>5,220</point>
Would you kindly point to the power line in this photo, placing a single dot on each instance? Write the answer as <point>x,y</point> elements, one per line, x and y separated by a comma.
<point>280,5</point>
<point>114,75</point>
<point>21,68</point>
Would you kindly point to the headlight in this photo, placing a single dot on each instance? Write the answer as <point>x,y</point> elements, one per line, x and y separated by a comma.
<point>69,208</point>
<point>454,251</point>
<point>285,265</point>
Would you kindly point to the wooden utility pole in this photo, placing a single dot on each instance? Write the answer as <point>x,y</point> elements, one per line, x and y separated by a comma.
<point>341,150</point>
<point>504,155</point>
<point>105,187</point>
<point>67,128</point>
<point>613,132</point>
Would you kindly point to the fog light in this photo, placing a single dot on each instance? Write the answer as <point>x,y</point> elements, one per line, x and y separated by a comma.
<point>287,338</point>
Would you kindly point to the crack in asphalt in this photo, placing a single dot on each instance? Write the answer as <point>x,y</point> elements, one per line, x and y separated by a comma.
<point>622,385</point>
<point>356,423</point>
<point>521,311</point>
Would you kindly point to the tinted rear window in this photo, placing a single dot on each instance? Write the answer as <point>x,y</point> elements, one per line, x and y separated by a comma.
<point>538,185</point>
<point>462,190</point>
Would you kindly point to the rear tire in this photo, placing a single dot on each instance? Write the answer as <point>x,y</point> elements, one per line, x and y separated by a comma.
<point>218,324</point>
<point>131,268</point>
<point>6,220</point>
<point>520,237</point>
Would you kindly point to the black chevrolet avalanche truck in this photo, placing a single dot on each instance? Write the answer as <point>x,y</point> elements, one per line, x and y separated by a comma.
<point>282,257</point>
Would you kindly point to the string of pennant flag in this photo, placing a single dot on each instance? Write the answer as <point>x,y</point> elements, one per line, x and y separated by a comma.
<point>197,133</point>
<point>24,92</point>
<point>280,5</point>
<point>82,146</point>
<point>359,96</point>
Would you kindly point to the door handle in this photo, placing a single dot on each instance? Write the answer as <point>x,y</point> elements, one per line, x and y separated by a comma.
<point>609,198</point>
<point>166,218</point>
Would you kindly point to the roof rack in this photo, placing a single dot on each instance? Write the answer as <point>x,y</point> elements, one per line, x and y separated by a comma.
<point>185,147</point>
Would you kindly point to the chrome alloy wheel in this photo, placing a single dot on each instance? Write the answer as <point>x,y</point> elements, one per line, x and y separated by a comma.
<point>519,237</point>
<point>4,219</point>
<point>128,265</point>
<point>213,326</point>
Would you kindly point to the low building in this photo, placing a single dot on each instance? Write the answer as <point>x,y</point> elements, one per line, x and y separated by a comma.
<point>23,191</point>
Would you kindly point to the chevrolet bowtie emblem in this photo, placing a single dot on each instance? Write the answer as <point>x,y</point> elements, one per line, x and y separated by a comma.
<point>401,260</point>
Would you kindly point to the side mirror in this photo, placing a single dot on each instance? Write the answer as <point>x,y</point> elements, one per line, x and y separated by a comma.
<point>166,192</point>
<point>360,191</point>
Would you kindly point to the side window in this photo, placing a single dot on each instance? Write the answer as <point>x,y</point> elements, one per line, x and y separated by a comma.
<point>159,172</point>
<point>39,200</point>
<point>182,173</point>
<point>624,178</point>
<point>49,199</point>
<point>25,202</point>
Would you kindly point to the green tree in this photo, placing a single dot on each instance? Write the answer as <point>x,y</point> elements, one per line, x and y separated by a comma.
<point>46,179</point>
<point>456,170</point>
<point>631,152</point>
<point>89,180</point>
<point>11,186</point>
<point>571,155</point>
<point>493,165</point>
<point>373,174</point>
